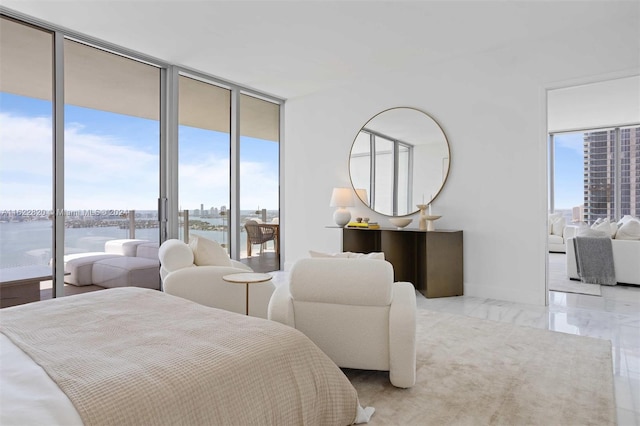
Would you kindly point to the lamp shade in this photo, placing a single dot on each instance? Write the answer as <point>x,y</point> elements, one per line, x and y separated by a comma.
<point>341,197</point>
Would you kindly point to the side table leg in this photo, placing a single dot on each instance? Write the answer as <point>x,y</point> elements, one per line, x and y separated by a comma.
<point>247,286</point>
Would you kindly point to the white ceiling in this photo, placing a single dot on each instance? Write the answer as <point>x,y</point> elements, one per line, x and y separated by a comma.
<point>294,48</point>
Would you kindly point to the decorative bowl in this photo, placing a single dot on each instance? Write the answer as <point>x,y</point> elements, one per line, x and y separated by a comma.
<point>400,222</point>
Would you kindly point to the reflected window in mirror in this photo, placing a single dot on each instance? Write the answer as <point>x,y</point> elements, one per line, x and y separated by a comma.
<point>401,158</point>
<point>386,174</point>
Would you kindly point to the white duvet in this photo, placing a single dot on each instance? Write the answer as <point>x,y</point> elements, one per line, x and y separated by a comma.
<point>28,396</point>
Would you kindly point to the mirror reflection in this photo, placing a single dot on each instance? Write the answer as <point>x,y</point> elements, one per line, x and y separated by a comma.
<point>400,158</point>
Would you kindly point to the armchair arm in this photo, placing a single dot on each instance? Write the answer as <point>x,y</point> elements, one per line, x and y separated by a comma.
<point>570,231</point>
<point>402,336</point>
<point>204,285</point>
<point>281,306</point>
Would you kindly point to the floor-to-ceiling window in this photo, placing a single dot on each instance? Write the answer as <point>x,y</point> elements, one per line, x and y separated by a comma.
<point>204,160</point>
<point>111,148</point>
<point>259,180</point>
<point>26,146</point>
<point>94,122</point>
<point>596,174</point>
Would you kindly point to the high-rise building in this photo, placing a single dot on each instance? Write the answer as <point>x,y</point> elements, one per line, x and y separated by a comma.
<point>605,183</point>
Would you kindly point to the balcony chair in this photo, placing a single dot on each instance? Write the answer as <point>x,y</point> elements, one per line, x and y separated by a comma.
<point>261,233</point>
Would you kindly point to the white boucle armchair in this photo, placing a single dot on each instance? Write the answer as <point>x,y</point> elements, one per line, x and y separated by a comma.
<point>204,284</point>
<point>354,312</point>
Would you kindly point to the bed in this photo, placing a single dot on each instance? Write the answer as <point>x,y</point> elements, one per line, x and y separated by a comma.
<point>139,356</point>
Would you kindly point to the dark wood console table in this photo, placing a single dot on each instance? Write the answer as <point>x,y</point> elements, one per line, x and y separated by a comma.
<point>431,260</point>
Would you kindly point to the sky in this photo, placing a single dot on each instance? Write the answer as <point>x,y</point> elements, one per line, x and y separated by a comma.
<point>569,170</point>
<point>112,161</point>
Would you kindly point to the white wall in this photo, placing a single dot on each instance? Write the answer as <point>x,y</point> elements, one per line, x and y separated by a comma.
<point>492,108</point>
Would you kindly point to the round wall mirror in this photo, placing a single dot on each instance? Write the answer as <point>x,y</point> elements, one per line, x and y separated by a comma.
<point>399,159</point>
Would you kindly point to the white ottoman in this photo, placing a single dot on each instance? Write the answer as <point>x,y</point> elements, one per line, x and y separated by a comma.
<point>126,247</point>
<point>79,266</point>
<point>125,271</point>
<point>147,250</point>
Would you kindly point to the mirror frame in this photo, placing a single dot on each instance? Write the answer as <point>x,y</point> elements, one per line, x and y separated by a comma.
<point>444,180</point>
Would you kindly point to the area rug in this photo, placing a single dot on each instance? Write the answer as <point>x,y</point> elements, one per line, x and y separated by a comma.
<point>480,372</point>
<point>575,287</point>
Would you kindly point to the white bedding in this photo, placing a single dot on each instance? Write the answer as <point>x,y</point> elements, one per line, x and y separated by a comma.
<point>28,395</point>
<point>116,357</point>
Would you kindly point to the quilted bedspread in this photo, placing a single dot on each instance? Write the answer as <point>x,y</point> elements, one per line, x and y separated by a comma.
<point>136,356</point>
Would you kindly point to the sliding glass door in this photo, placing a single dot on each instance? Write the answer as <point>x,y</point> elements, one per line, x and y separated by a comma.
<point>89,135</point>
<point>204,160</point>
<point>26,151</point>
<point>259,183</point>
<point>111,152</point>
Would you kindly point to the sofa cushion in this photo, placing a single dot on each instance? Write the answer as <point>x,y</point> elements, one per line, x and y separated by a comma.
<point>125,247</point>
<point>208,252</point>
<point>590,232</point>
<point>79,266</point>
<point>626,218</point>
<point>630,230</point>
<point>556,239</point>
<point>605,226</point>
<point>147,250</point>
<point>126,271</point>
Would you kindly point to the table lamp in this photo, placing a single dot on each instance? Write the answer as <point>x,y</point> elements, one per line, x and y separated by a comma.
<point>341,198</point>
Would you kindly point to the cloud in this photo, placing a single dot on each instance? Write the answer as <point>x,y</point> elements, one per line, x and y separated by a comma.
<point>108,172</point>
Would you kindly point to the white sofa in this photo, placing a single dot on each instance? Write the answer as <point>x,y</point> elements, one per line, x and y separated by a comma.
<point>185,274</point>
<point>559,232</point>
<point>625,244</point>
<point>626,261</point>
<point>124,263</point>
<point>354,312</point>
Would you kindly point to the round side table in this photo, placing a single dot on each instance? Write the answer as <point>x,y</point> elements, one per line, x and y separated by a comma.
<point>247,278</point>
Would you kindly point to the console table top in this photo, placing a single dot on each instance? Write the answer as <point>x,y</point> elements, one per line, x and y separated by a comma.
<point>382,228</point>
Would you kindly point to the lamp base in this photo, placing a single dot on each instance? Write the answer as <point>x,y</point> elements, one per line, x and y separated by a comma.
<point>342,216</point>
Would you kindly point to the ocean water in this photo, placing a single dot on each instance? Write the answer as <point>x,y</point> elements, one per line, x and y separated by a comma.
<point>30,242</point>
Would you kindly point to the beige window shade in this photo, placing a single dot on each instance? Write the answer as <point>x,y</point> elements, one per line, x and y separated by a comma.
<point>26,56</point>
<point>108,82</point>
<point>204,105</point>
<point>259,119</point>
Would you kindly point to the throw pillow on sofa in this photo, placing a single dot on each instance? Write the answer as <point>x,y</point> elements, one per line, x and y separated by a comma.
<point>629,230</point>
<point>556,224</point>
<point>208,252</point>
<point>605,226</point>
<point>626,218</point>
<point>590,232</point>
